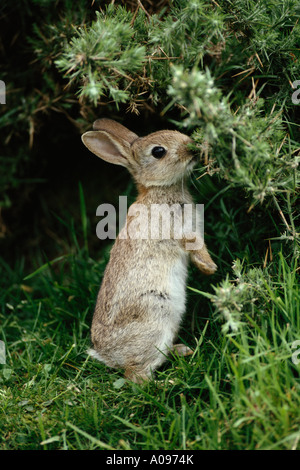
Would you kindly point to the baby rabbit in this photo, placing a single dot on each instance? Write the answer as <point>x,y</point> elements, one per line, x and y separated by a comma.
<point>141,301</point>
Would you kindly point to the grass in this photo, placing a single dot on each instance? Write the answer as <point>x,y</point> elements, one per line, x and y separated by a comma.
<point>239,390</point>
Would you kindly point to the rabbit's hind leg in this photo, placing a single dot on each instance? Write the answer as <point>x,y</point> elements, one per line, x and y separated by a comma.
<point>142,370</point>
<point>136,375</point>
<point>182,350</point>
<point>139,374</point>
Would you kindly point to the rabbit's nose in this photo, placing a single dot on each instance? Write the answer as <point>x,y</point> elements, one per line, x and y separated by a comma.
<point>194,154</point>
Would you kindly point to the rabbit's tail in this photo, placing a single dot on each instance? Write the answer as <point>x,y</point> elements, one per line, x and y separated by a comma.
<point>95,355</point>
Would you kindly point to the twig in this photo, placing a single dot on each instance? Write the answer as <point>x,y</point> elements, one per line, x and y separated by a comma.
<point>257,56</point>
<point>253,91</point>
<point>144,9</point>
<point>234,157</point>
<point>244,71</point>
<point>281,214</point>
<point>271,254</point>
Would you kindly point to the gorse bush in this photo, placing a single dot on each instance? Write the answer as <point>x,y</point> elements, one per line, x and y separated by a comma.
<point>228,65</point>
<point>102,58</point>
<point>246,145</point>
<point>250,144</point>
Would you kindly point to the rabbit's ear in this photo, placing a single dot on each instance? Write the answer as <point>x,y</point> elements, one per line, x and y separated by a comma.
<point>109,147</point>
<point>114,128</point>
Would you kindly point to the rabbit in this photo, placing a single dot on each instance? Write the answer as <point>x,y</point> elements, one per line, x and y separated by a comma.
<point>141,301</point>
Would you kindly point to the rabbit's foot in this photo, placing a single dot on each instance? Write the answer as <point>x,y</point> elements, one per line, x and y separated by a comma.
<point>136,376</point>
<point>182,350</point>
<point>201,258</point>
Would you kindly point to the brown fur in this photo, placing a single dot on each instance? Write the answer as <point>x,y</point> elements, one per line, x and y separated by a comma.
<point>141,300</point>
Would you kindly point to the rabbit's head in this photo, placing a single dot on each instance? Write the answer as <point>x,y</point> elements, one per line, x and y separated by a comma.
<point>159,159</point>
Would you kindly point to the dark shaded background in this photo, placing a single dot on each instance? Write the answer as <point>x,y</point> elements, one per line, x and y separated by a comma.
<point>43,158</point>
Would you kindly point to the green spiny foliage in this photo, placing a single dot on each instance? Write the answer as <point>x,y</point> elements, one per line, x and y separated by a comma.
<point>248,140</point>
<point>181,36</point>
<point>233,37</point>
<point>120,56</point>
<point>250,148</point>
<point>248,294</point>
<point>102,57</point>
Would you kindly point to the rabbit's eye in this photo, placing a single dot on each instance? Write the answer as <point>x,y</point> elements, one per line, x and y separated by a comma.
<point>158,152</point>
